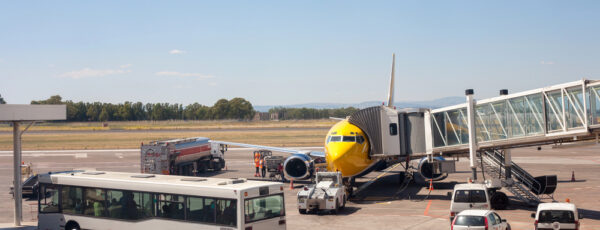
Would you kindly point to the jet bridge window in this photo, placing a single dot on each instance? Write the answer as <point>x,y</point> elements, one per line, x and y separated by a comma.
<point>393,129</point>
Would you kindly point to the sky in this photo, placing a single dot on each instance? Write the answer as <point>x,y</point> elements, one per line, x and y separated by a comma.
<point>291,52</point>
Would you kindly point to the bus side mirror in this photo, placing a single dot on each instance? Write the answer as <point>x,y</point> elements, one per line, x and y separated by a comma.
<point>580,216</point>
<point>533,215</point>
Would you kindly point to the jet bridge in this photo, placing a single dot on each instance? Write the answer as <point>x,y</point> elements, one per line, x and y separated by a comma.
<point>487,129</point>
<point>480,129</point>
<point>560,113</point>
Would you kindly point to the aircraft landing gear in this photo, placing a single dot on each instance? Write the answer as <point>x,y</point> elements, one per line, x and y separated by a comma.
<point>349,185</point>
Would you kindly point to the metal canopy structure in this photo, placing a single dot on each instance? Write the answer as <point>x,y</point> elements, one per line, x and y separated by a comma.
<point>16,114</point>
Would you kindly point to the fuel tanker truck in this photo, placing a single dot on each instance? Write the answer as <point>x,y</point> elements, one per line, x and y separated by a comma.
<point>189,156</point>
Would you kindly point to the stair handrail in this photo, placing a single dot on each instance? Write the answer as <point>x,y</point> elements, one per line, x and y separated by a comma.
<point>517,171</point>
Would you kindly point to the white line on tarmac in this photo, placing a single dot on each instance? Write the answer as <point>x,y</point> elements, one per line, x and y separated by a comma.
<point>122,150</point>
<point>76,151</point>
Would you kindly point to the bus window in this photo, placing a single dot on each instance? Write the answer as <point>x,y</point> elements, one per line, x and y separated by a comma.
<point>94,202</point>
<point>262,208</point>
<point>72,200</point>
<point>226,212</point>
<point>201,209</point>
<point>143,201</point>
<point>115,204</point>
<point>48,202</point>
<point>171,206</point>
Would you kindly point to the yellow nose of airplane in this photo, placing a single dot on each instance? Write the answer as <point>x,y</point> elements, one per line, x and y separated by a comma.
<point>347,149</point>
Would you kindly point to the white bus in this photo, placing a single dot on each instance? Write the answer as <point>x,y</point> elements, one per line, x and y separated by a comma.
<point>115,200</point>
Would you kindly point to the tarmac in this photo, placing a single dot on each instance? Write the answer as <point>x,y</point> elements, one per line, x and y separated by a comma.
<point>382,205</point>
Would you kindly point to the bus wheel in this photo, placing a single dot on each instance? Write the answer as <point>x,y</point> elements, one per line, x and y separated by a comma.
<point>72,225</point>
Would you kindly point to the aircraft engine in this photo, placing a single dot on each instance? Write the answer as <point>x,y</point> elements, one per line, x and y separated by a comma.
<point>298,167</point>
<point>427,170</point>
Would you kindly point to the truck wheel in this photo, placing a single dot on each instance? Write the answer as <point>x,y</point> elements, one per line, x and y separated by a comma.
<point>499,201</point>
<point>217,166</point>
<point>72,225</point>
<point>302,211</point>
<point>337,207</point>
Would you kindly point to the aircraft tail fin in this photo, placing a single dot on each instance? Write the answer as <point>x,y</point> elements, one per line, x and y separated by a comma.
<point>391,92</point>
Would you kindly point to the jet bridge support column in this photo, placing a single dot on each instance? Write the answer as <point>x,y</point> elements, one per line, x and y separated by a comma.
<point>507,163</point>
<point>471,128</point>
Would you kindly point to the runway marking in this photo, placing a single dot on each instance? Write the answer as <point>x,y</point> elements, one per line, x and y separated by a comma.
<point>75,151</point>
<point>81,155</point>
<point>119,155</point>
<point>427,209</point>
<point>384,202</point>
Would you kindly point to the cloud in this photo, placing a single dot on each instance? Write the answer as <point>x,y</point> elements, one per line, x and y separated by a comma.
<point>125,66</point>
<point>547,62</point>
<point>87,72</point>
<point>179,74</point>
<point>176,51</point>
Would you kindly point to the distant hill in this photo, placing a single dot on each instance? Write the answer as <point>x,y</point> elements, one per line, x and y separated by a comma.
<point>437,103</point>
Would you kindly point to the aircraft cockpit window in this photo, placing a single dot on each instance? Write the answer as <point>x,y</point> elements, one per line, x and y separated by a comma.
<point>335,139</point>
<point>349,139</point>
<point>360,139</point>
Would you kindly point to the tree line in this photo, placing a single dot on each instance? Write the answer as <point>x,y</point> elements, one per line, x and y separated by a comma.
<point>236,108</point>
<point>308,113</point>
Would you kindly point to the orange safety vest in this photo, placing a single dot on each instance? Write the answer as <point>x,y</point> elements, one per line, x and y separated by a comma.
<point>257,161</point>
<point>261,163</point>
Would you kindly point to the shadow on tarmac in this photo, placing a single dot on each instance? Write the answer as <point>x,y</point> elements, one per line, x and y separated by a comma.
<point>589,214</point>
<point>343,212</point>
<point>570,181</point>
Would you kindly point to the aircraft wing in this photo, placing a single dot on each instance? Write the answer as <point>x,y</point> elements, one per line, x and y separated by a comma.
<point>278,149</point>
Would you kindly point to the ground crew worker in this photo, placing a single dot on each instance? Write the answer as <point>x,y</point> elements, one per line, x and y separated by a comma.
<point>263,169</point>
<point>256,162</point>
<point>280,170</point>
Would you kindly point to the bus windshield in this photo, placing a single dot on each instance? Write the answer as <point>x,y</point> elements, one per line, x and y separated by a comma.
<point>262,208</point>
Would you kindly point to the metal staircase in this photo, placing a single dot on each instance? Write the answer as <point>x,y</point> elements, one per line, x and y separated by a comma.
<point>521,184</point>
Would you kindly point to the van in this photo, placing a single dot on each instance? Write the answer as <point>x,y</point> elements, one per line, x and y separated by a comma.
<point>556,216</point>
<point>469,196</point>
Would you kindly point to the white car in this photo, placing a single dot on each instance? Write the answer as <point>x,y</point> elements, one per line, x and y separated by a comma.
<point>556,216</point>
<point>478,219</point>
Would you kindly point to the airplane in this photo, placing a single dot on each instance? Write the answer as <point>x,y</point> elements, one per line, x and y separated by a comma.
<point>346,150</point>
